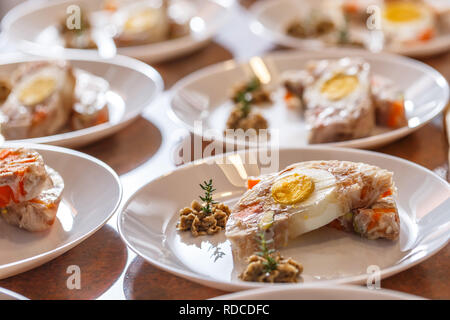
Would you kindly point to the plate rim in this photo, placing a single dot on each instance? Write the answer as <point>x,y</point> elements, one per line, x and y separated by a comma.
<point>62,249</point>
<point>188,42</point>
<point>119,60</point>
<point>238,286</point>
<point>365,142</point>
<point>278,38</point>
<point>390,294</point>
<point>12,294</point>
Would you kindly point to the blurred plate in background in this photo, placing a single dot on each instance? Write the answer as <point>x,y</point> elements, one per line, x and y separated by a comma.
<point>92,193</point>
<point>31,27</point>
<point>204,95</point>
<point>269,19</point>
<point>133,86</point>
<point>9,295</point>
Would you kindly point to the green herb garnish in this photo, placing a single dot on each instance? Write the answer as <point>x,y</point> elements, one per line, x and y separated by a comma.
<point>344,37</point>
<point>244,97</point>
<point>253,85</point>
<point>270,264</point>
<point>207,199</point>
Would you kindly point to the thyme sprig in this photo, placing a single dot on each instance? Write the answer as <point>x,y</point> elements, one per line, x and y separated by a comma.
<point>270,264</point>
<point>344,36</point>
<point>208,201</point>
<point>244,97</point>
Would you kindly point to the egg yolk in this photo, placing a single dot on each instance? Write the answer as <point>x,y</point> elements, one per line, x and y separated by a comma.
<point>339,86</point>
<point>37,91</point>
<point>292,189</point>
<point>140,21</point>
<point>402,12</point>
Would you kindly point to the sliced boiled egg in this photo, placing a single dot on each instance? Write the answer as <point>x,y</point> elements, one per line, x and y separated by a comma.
<point>36,91</point>
<point>405,21</point>
<point>35,87</point>
<point>401,12</point>
<point>141,20</point>
<point>292,189</point>
<point>309,196</point>
<point>339,86</point>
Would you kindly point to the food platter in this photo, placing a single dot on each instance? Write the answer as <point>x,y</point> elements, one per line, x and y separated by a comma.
<point>80,213</point>
<point>269,20</point>
<point>195,99</point>
<point>126,78</point>
<point>148,220</point>
<point>28,27</point>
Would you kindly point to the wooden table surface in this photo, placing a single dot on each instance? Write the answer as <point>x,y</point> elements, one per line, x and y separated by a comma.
<point>145,149</point>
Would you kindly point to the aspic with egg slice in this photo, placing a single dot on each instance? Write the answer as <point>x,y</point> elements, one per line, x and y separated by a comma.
<point>40,101</point>
<point>407,22</point>
<point>343,100</point>
<point>338,104</point>
<point>30,191</point>
<point>141,23</point>
<point>22,175</point>
<point>303,197</point>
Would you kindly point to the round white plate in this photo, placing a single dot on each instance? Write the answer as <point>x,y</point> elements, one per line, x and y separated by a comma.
<point>25,24</point>
<point>9,295</point>
<point>148,221</point>
<point>269,19</point>
<point>341,292</point>
<point>133,86</point>
<point>92,193</point>
<point>203,96</point>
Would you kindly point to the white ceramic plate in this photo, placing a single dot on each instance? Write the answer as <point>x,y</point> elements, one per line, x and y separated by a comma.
<point>133,86</point>
<point>148,222</point>
<point>91,195</point>
<point>203,96</point>
<point>269,19</point>
<point>9,295</point>
<point>25,24</point>
<point>341,292</point>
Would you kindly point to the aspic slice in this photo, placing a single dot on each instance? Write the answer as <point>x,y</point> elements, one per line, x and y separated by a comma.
<point>312,194</point>
<point>378,221</point>
<point>338,103</point>
<point>40,102</point>
<point>39,213</point>
<point>22,175</point>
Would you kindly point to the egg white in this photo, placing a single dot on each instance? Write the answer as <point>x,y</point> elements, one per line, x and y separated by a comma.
<point>320,208</point>
<point>147,20</point>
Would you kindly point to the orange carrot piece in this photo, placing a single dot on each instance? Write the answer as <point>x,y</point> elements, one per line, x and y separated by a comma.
<point>288,95</point>
<point>397,113</point>
<point>426,35</point>
<point>379,211</point>
<point>364,192</point>
<point>386,194</point>
<point>375,218</point>
<point>102,117</point>
<point>252,182</point>
<point>350,7</point>
<point>6,195</point>
<point>39,116</point>
<point>336,224</point>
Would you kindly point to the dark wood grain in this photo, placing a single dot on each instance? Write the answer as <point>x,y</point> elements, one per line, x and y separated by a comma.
<point>144,281</point>
<point>101,259</point>
<point>127,149</point>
